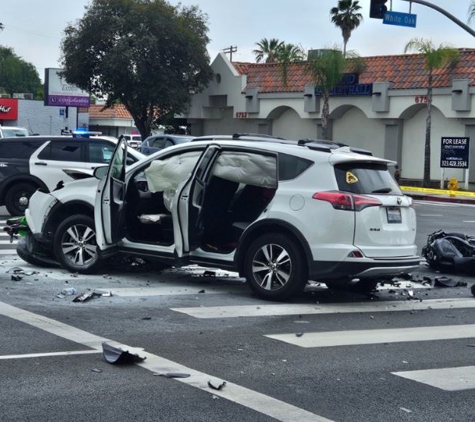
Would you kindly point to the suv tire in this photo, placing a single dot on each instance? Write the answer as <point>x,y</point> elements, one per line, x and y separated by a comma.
<point>274,267</point>
<point>17,198</point>
<point>75,244</point>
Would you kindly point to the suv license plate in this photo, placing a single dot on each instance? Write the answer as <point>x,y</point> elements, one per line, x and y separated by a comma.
<point>394,215</point>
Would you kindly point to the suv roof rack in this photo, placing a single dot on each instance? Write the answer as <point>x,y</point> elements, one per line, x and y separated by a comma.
<point>328,146</point>
<point>256,135</point>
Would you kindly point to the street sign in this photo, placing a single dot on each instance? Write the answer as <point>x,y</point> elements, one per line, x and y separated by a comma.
<point>454,152</point>
<point>400,19</point>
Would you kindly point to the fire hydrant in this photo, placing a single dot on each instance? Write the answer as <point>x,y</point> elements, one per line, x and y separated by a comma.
<point>453,185</point>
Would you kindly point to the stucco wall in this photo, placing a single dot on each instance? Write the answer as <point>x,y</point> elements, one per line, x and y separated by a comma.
<point>412,165</point>
<point>290,125</point>
<point>43,120</point>
<point>356,130</point>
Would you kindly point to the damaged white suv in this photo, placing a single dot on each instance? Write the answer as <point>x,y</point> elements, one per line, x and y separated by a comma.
<point>279,212</point>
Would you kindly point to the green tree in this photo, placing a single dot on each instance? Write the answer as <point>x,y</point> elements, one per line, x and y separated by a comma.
<point>346,16</point>
<point>147,54</point>
<point>326,69</point>
<point>287,54</point>
<point>267,50</point>
<point>17,75</point>
<point>435,58</point>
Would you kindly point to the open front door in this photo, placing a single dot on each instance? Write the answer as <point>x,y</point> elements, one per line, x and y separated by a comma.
<point>188,203</point>
<point>110,204</point>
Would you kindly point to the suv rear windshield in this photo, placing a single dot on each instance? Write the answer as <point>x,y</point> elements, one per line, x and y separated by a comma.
<point>366,178</point>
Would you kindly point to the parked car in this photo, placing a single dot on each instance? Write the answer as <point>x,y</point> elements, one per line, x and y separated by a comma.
<point>279,213</point>
<point>133,140</point>
<point>10,131</point>
<point>155,143</point>
<point>31,162</point>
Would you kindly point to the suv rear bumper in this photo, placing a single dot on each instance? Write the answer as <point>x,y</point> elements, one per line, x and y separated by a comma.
<point>365,268</point>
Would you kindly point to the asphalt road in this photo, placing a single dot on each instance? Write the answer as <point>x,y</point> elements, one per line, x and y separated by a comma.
<point>405,353</point>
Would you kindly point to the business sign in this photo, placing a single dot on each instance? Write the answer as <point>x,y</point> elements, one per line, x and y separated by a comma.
<point>400,19</point>
<point>61,94</point>
<point>349,86</point>
<point>8,109</point>
<point>454,152</point>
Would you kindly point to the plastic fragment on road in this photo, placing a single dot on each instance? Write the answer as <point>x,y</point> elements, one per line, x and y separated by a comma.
<point>172,374</point>
<point>472,289</point>
<point>445,282</point>
<point>121,354</point>
<point>217,386</point>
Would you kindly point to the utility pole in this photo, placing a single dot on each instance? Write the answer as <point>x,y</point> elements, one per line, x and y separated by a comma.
<point>445,13</point>
<point>230,50</point>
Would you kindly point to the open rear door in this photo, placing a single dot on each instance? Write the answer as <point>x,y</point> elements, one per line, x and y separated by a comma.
<point>188,203</point>
<point>110,204</point>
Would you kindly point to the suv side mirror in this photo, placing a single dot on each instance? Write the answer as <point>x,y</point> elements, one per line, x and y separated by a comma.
<point>100,172</point>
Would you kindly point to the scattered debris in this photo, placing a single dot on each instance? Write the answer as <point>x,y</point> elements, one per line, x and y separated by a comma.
<point>17,277</point>
<point>202,291</point>
<point>445,282</point>
<point>208,273</point>
<point>405,410</point>
<point>120,354</point>
<point>172,374</point>
<point>69,291</point>
<point>299,334</point>
<point>83,297</point>
<point>96,370</point>
<point>147,318</point>
<point>472,289</point>
<point>217,387</point>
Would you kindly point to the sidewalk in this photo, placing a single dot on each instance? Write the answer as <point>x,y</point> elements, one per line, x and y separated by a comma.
<point>440,195</point>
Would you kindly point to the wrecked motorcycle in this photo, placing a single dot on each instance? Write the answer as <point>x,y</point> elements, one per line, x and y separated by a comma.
<point>27,247</point>
<point>450,252</point>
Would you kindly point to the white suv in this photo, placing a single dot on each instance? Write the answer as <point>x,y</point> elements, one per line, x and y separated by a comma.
<point>279,212</point>
<point>11,131</point>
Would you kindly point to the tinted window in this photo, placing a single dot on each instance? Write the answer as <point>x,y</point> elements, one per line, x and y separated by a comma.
<point>100,152</point>
<point>365,178</point>
<point>290,166</point>
<point>18,149</point>
<point>158,143</point>
<point>62,151</point>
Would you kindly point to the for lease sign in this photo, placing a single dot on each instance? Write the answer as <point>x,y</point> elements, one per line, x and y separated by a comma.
<point>454,152</point>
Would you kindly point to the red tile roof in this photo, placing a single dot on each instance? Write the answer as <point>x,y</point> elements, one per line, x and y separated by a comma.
<point>118,111</point>
<point>405,71</point>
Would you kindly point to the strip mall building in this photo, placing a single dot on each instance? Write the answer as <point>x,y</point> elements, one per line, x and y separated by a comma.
<point>382,109</point>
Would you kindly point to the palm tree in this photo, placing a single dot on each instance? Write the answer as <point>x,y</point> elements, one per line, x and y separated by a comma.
<point>346,17</point>
<point>435,58</point>
<point>267,49</point>
<point>326,70</point>
<point>287,54</point>
<point>471,11</point>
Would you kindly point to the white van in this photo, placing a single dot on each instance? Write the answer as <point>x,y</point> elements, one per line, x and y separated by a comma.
<point>133,140</point>
<point>12,131</point>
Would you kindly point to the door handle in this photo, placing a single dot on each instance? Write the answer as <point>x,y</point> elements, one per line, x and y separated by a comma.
<point>41,164</point>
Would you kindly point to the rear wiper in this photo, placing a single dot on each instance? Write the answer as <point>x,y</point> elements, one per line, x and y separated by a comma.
<point>382,190</point>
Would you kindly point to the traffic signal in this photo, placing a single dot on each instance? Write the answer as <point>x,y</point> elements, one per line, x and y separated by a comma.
<point>378,9</point>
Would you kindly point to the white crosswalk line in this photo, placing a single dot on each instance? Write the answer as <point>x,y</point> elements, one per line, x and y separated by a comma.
<point>312,309</point>
<point>448,379</point>
<point>391,335</point>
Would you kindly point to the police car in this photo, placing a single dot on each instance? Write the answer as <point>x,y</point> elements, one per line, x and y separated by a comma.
<point>31,162</point>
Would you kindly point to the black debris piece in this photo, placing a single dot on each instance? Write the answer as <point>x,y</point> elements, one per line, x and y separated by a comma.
<point>217,387</point>
<point>16,270</point>
<point>299,334</point>
<point>172,374</point>
<point>119,354</point>
<point>16,277</point>
<point>201,291</point>
<point>445,282</point>
<point>472,289</point>
<point>209,274</point>
<point>147,318</point>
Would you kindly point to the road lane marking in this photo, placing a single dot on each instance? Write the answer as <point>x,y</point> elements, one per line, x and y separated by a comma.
<point>313,309</point>
<point>251,399</point>
<point>448,379</point>
<point>7,251</point>
<point>167,290</point>
<point>376,336</point>
<point>41,355</point>
<point>430,215</point>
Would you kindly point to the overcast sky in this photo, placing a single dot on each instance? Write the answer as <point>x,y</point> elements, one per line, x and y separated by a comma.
<point>34,28</point>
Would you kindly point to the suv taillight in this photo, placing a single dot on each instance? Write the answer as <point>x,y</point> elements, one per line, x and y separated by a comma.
<point>347,201</point>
